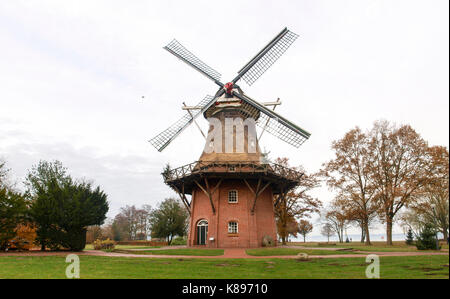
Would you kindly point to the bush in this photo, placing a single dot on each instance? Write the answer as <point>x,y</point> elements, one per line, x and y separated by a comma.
<point>104,245</point>
<point>24,239</point>
<point>62,207</point>
<point>179,241</point>
<point>268,241</point>
<point>427,239</point>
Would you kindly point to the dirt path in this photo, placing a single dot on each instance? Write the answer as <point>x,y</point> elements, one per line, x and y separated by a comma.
<point>229,253</point>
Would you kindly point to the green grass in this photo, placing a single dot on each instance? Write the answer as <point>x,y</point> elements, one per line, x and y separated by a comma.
<point>109,267</point>
<point>292,251</point>
<point>183,251</point>
<point>376,246</point>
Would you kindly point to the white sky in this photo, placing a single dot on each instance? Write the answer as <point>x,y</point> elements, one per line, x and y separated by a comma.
<point>72,74</point>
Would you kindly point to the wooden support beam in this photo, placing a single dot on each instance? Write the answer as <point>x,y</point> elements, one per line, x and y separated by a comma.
<point>183,198</point>
<point>249,187</point>
<point>208,193</point>
<point>216,187</point>
<point>256,193</point>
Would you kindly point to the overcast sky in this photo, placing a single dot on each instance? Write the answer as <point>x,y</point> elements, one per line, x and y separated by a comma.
<point>73,73</point>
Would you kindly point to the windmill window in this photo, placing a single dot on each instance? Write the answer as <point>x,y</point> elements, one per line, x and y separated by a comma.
<point>232,196</point>
<point>232,227</point>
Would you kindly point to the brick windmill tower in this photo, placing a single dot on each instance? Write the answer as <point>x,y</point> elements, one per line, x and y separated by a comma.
<point>232,187</point>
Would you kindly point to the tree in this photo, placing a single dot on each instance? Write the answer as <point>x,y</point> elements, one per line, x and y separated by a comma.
<point>170,219</point>
<point>3,174</point>
<point>290,228</point>
<point>94,232</point>
<point>432,205</point>
<point>298,203</point>
<point>399,168</point>
<point>327,231</point>
<point>13,209</point>
<point>119,228</point>
<point>304,228</point>
<point>409,237</point>
<point>336,217</point>
<point>132,223</point>
<point>427,239</point>
<point>349,174</point>
<point>61,208</point>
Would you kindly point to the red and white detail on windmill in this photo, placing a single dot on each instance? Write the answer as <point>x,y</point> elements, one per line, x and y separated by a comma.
<point>228,87</point>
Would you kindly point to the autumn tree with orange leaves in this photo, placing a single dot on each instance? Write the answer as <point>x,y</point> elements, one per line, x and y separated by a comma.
<point>382,170</point>
<point>400,168</point>
<point>297,203</point>
<point>304,228</point>
<point>349,174</point>
<point>432,205</point>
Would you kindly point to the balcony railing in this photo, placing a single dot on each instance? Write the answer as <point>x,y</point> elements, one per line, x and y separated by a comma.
<point>230,167</point>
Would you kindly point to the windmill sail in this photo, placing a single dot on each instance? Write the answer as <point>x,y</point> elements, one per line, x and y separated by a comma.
<point>259,64</point>
<point>189,58</point>
<point>277,125</point>
<point>163,139</point>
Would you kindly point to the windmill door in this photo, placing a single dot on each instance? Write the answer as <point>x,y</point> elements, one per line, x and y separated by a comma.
<point>202,232</point>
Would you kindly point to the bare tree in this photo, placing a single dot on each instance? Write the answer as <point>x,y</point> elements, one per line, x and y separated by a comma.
<point>327,231</point>
<point>132,223</point>
<point>337,218</point>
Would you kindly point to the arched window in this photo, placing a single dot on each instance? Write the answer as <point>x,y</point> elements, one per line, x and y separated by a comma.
<point>232,196</point>
<point>232,227</point>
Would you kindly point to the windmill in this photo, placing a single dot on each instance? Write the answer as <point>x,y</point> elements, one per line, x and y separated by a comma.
<point>234,190</point>
<point>258,65</point>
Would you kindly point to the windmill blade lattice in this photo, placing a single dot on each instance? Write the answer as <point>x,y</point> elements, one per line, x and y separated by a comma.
<point>277,125</point>
<point>163,139</point>
<point>267,57</point>
<point>189,58</point>
<point>277,129</point>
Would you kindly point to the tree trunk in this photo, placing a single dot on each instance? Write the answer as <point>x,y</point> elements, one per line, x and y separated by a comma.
<point>304,238</point>
<point>366,229</point>
<point>389,231</point>
<point>445,233</point>
<point>363,235</point>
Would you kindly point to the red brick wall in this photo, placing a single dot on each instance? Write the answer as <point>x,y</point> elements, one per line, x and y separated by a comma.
<point>251,227</point>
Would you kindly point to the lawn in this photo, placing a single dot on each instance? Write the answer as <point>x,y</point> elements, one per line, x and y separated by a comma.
<point>114,267</point>
<point>292,251</point>
<point>376,246</point>
<point>183,251</point>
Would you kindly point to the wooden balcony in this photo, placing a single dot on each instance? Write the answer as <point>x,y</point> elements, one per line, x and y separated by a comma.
<point>184,177</point>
